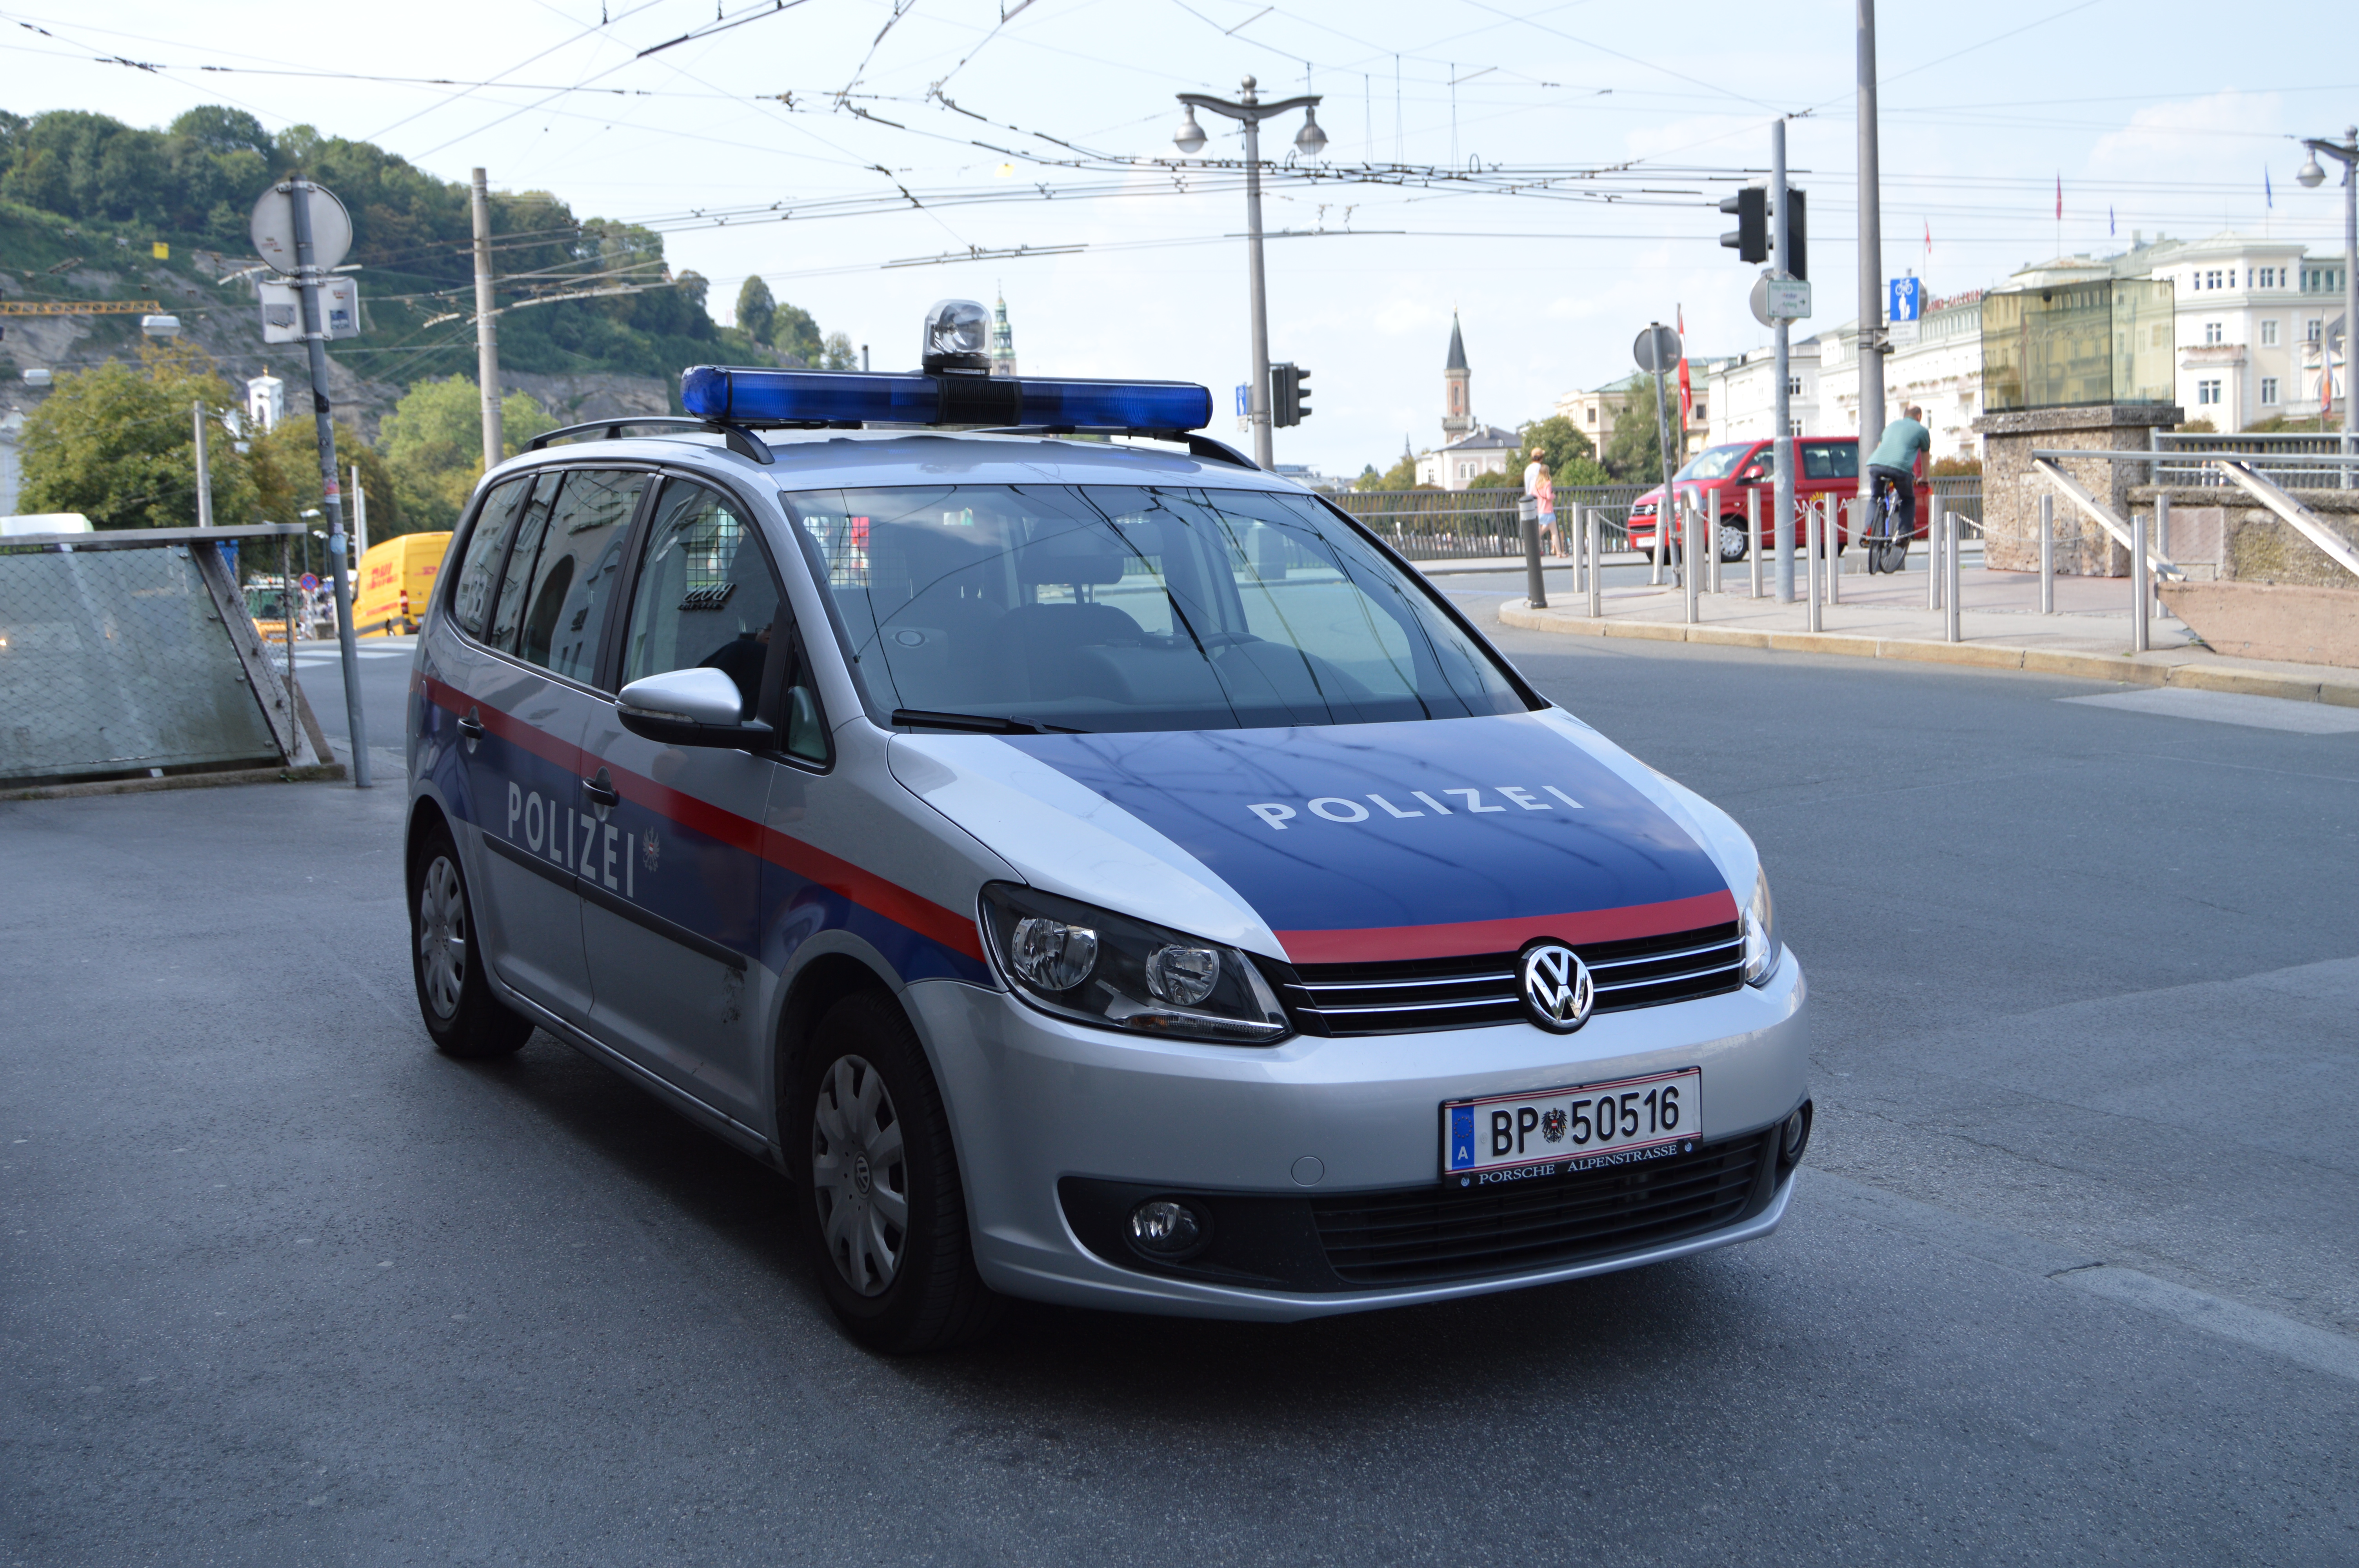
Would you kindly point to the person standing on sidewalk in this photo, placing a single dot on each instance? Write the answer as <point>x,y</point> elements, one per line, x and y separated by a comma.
<point>1892,470</point>
<point>1542,489</point>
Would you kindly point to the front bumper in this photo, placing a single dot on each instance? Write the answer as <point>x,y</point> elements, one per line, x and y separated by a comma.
<point>1035,1102</point>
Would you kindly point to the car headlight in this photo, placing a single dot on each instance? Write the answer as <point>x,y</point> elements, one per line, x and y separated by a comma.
<point>1761,947</point>
<point>1093,966</point>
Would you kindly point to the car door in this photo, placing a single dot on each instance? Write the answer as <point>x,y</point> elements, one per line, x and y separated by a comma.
<point>672,896</point>
<point>1830,469</point>
<point>533,695</point>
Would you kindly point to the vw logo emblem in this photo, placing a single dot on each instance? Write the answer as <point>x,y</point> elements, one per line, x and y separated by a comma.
<point>1557,991</point>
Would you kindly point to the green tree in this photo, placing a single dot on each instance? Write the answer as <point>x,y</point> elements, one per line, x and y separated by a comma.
<point>1402,475</point>
<point>794,332</point>
<point>755,308</point>
<point>287,477</point>
<point>1509,478</point>
<point>839,353</point>
<point>1634,455</point>
<point>1369,478</point>
<point>433,446</point>
<point>118,443</point>
<point>1572,458</point>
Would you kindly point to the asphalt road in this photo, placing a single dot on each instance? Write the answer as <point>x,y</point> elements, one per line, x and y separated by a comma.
<point>2072,1277</point>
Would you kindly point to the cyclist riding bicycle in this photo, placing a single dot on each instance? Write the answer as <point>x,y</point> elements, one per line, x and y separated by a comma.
<point>1890,469</point>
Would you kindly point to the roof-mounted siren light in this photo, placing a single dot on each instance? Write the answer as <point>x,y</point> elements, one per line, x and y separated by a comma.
<point>958,339</point>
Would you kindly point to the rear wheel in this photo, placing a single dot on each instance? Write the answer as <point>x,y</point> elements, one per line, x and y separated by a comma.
<point>453,994</point>
<point>889,1212</point>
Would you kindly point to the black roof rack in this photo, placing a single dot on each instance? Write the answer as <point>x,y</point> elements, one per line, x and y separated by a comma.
<point>741,441</point>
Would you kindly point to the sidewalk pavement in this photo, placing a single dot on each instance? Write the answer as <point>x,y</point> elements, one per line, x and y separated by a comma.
<point>2000,627</point>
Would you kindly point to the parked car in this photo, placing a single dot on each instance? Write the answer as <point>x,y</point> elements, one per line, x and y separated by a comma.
<point>1718,479</point>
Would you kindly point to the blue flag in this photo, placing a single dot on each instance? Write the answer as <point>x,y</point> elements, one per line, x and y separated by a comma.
<point>2268,190</point>
<point>2112,227</point>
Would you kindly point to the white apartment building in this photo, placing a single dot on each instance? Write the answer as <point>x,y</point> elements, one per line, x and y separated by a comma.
<point>1743,394</point>
<point>2251,317</point>
<point>1941,373</point>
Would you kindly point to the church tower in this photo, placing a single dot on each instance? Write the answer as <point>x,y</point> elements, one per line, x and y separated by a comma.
<point>1003,341</point>
<point>1457,400</point>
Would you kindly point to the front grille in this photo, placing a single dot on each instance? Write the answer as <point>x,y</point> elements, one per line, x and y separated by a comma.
<point>1427,1236</point>
<point>1461,993</point>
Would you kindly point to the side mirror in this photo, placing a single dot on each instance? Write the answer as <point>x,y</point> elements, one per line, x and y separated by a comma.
<point>1751,475</point>
<point>691,708</point>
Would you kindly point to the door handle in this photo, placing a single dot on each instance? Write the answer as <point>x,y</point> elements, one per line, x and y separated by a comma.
<point>601,791</point>
<point>471,728</point>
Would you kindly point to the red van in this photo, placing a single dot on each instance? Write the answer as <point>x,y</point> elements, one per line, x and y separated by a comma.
<point>1718,479</point>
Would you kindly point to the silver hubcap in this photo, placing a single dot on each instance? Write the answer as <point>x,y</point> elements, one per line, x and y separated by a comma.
<point>1733,542</point>
<point>442,936</point>
<point>859,1175</point>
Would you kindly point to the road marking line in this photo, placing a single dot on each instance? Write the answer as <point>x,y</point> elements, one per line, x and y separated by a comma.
<point>2231,707</point>
<point>2318,1349</point>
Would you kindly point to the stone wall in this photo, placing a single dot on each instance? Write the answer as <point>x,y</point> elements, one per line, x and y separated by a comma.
<point>2221,534</point>
<point>577,399</point>
<point>2011,489</point>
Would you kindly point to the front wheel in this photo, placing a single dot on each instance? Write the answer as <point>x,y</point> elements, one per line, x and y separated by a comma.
<point>1736,538</point>
<point>447,958</point>
<point>888,1213</point>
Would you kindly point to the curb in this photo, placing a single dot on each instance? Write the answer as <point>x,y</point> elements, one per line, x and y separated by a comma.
<point>318,772</point>
<point>2341,691</point>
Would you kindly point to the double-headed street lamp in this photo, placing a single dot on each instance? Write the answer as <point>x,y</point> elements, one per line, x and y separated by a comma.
<point>1311,141</point>
<point>2345,152</point>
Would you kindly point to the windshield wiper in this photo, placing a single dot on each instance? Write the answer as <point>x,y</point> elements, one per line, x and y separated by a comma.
<point>979,723</point>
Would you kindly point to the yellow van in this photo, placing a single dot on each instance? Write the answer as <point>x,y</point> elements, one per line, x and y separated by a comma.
<point>393,583</point>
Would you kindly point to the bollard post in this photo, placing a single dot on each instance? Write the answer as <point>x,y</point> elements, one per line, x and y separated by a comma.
<point>1596,578</point>
<point>1950,521</point>
<point>1528,512</point>
<point>1691,573</point>
<point>1811,564</point>
<point>1835,509</point>
<point>1933,561</point>
<point>1753,535</point>
<point>1662,525</point>
<point>2047,555</point>
<point>2139,592</point>
<point>2161,541</point>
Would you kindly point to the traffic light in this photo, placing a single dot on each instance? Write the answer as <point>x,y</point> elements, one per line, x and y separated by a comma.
<point>1750,238</point>
<point>1287,392</point>
<point>1798,231</point>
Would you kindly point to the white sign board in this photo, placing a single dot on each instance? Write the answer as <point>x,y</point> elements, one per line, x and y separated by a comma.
<point>1776,299</point>
<point>274,229</point>
<point>282,310</point>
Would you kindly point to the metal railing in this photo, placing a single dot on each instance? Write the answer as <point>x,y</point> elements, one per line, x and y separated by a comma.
<point>1441,525</point>
<point>2319,459</point>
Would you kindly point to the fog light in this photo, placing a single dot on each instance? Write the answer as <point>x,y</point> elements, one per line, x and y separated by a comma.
<point>1165,1228</point>
<point>1796,1136</point>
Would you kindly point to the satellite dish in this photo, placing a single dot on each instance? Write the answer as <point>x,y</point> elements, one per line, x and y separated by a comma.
<point>273,227</point>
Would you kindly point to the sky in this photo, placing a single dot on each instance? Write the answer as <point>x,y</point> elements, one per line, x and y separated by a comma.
<point>1564,161</point>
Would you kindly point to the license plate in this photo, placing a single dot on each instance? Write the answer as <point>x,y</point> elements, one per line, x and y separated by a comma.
<point>1501,1140</point>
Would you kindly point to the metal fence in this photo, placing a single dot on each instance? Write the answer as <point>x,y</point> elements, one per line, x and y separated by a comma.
<point>1442,525</point>
<point>131,653</point>
<point>2195,473</point>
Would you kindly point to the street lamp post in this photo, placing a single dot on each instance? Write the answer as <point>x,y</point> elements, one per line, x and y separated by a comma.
<point>2346,153</point>
<point>1189,139</point>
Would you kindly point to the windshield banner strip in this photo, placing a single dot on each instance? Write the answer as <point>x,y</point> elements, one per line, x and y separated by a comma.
<point>1396,944</point>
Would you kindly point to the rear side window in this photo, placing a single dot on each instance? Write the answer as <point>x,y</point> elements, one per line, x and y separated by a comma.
<point>1829,460</point>
<point>471,601</point>
<point>573,577</point>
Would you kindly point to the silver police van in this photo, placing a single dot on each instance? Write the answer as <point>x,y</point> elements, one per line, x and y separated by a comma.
<point>1090,867</point>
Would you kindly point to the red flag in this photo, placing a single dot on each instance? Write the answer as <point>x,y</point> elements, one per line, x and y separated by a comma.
<point>1687,391</point>
<point>2059,196</point>
<point>1929,236</point>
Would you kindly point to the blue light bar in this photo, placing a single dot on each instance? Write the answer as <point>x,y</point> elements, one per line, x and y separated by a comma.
<point>848,397</point>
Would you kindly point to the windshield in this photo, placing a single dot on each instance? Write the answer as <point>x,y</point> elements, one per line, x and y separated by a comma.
<point>1714,462</point>
<point>1134,608</point>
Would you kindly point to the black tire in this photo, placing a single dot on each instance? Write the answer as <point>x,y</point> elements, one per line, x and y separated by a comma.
<point>454,997</point>
<point>904,1288</point>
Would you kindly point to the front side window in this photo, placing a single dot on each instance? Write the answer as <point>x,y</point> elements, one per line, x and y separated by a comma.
<point>706,599</point>
<point>1123,607</point>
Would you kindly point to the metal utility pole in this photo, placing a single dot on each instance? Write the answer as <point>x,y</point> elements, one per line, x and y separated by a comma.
<point>487,331</point>
<point>360,519</point>
<point>1190,138</point>
<point>315,341</point>
<point>1668,507</point>
<point>204,473</point>
<point>1871,270</point>
<point>2347,155</point>
<point>1783,524</point>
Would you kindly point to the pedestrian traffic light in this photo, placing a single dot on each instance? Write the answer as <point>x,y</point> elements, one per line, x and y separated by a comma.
<point>1286,394</point>
<point>1750,238</point>
<point>1798,231</point>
